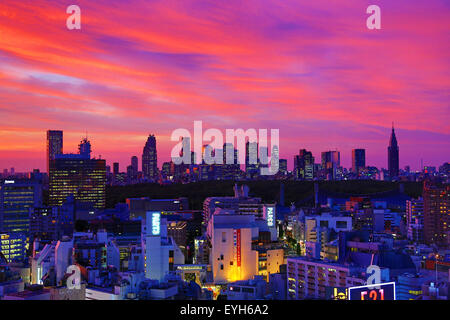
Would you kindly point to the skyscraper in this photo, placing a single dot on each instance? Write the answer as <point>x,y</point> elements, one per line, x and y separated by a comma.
<point>331,161</point>
<point>16,198</point>
<point>231,165</point>
<point>54,145</point>
<point>330,158</point>
<point>115,168</point>
<point>251,159</point>
<point>283,166</point>
<point>77,175</point>
<point>149,159</point>
<point>436,214</point>
<point>304,165</point>
<point>393,158</point>
<point>134,165</point>
<point>358,159</point>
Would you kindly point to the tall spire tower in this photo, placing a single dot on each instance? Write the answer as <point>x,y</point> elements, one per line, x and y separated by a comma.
<point>393,158</point>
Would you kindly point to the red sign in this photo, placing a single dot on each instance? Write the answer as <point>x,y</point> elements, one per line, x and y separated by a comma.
<point>431,264</point>
<point>380,291</point>
<point>238,247</point>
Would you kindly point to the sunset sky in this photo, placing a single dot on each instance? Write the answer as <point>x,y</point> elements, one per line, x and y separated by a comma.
<point>309,68</point>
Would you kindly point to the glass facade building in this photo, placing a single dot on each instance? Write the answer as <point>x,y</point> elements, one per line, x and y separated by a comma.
<point>16,199</point>
<point>79,176</point>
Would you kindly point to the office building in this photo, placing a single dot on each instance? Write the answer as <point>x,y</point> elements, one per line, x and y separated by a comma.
<point>241,203</point>
<point>232,257</point>
<point>54,145</point>
<point>436,214</point>
<point>16,198</point>
<point>331,162</point>
<point>251,159</point>
<point>77,175</point>
<point>45,223</point>
<point>414,220</point>
<point>309,278</point>
<point>358,160</point>
<point>134,168</point>
<point>149,159</point>
<point>283,167</point>
<point>116,168</point>
<point>304,165</point>
<point>231,167</point>
<point>13,246</point>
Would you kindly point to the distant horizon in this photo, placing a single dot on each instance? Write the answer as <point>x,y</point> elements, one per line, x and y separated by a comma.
<point>125,160</point>
<point>313,70</point>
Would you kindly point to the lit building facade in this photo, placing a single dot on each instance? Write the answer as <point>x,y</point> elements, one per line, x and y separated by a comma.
<point>13,246</point>
<point>304,165</point>
<point>232,257</point>
<point>16,198</point>
<point>79,176</point>
<point>241,203</point>
<point>414,220</point>
<point>308,279</point>
<point>436,207</point>
<point>161,251</point>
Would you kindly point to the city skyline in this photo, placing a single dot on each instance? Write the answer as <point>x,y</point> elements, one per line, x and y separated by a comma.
<point>215,158</point>
<point>127,160</point>
<point>310,69</point>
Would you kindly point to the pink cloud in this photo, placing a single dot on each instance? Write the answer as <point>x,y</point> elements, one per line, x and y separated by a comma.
<point>140,67</point>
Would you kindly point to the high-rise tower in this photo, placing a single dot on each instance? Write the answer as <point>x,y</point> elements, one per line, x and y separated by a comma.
<point>149,159</point>
<point>251,158</point>
<point>79,176</point>
<point>358,159</point>
<point>304,165</point>
<point>436,214</point>
<point>393,159</point>
<point>134,167</point>
<point>54,145</point>
<point>331,161</point>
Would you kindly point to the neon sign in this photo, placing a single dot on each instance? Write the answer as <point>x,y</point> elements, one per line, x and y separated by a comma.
<point>270,216</point>
<point>238,247</point>
<point>379,291</point>
<point>156,223</point>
